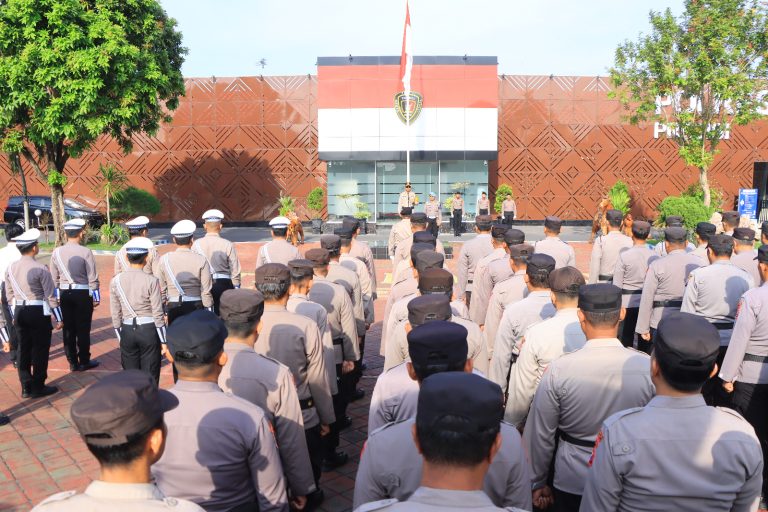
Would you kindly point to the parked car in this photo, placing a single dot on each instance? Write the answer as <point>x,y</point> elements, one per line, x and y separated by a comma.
<point>14,211</point>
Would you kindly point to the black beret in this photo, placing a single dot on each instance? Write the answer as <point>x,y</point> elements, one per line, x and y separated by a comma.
<point>197,336</point>
<point>426,308</point>
<point>720,242</point>
<point>744,234</point>
<point>427,259</point>
<point>514,236</point>
<point>521,251</point>
<point>674,220</point>
<point>435,280</point>
<point>762,254</point>
<point>242,305</point>
<point>686,341</point>
<point>418,218</point>
<point>344,233</point>
<point>566,280</point>
<point>675,234</point>
<point>438,343</point>
<point>424,237</point>
<point>351,223</point>
<point>483,222</point>
<point>553,223</point>
<point>706,229</point>
<point>319,257</point>
<point>614,216</point>
<point>331,243</point>
<point>406,211</point>
<point>301,268</point>
<point>599,297</point>
<point>498,231</point>
<point>273,273</point>
<point>641,229</point>
<point>731,217</point>
<point>443,396</point>
<point>541,264</point>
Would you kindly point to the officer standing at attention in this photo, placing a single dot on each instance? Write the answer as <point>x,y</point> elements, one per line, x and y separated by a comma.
<point>136,305</point>
<point>279,250</point>
<point>704,230</point>
<point>509,209</point>
<point>138,227</point>
<point>8,255</point>
<point>73,269</point>
<point>578,391</point>
<point>457,213</point>
<point>220,452</point>
<point>730,222</point>
<point>744,368</point>
<point>745,254</point>
<point>664,285</point>
<point>359,268</point>
<point>481,289</point>
<point>390,466</point>
<point>483,205</point>
<point>221,256</point>
<point>471,253</point>
<point>629,276</point>
<point>30,290</point>
<point>419,233</point>
<point>347,278</point>
<point>361,250</point>
<point>551,245</point>
<point>399,231</point>
<point>457,432</point>
<point>606,249</point>
<point>717,465</point>
<point>120,419</point>
<point>185,277</point>
<point>673,221</point>
<point>500,270</point>
<point>432,210</point>
<point>407,198</point>
<point>269,384</point>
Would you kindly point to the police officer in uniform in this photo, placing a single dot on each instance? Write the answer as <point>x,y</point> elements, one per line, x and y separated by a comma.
<point>745,254</point>
<point>221,256</point>
<point>551,245</point>
<point>704,230</point>
<point>606,249</point>
<point>400,231</point>
<point>361,250</point>
<point>31,292</point>
<point>629,276</point>
<point>120,419</point>
<point>730,222</point>
<point>471,253</point>
<point>483,205</point>
<point>269,384</point>
<point>432,210</point>
<point>459,420</point>
<point>407,198</point>
<point>501,269</point>
<point>743,370</point>
<point>509,209</point>
<point>73,269</point>
<point>8,255</point>
<point>390,466</point>
<point>481,291</point>
<point>347,278</point>
<point>279,250</point>
<point>136,306</point>
<point>419,234</point>
<point>138,227</point>
<point>220,452</point>
<point>457,212</point>
<point>673,221</point>
<point>185,276</point>
<point>578,391</point>
<point>405,266</point>
<point>676,453</point>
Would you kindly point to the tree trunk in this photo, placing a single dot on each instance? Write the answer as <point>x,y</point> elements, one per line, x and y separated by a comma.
<point>704,181</point>
<point>109,218</point>
<point>57,212</point>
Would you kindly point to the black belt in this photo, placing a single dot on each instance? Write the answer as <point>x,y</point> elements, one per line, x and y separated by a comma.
<point>574,440</point>
<point>673,303</point>
<point>723,326</point>
<point>338,341</point>
<point>624,291</point>
<point>756,359</point>
<point>605,277</point>
<point>307,403</point>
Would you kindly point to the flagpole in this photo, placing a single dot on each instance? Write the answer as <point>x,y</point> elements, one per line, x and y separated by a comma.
<point>408,142</point>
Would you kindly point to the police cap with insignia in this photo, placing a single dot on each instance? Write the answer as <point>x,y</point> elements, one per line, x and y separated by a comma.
<point>183,229</point>
<point>540,264</point>
<point>498,231</point>
<point>351,223</point>
<point>419,218</point>
<point>514,236</point>
<point>705,229</point>
<point>553,223</point>
<point>406,211</point>
<point>196,337</point>
<point>599,297</point>
<point>241,305</point>
<point>675,234</point>
<point>744,234</point>
<point>318,256</point>
<point>731,217</point>
<point>279,222</point>
<point>138,223</point>
<point>427,308</point>
<point>435,280</point>
<point>424,237</point>
<point>674,220</point>
<point>614,216</point>
<point>641,229</point>
<point>213,216</point>
<point>424,259</point>
<point>74,225</point>
<point>483,222</point>
<point>331,243</point>
<point>417,247</point>
<point>138,245</point>
<point>438,344</point>
<point>445,396</point>
<point>344,233</point>
<point>27,238</point>
<point>566,280</point>
<point>301,268</point>
<point>273,273</point>
<point>720,243</point>
<point>762,254</point>
<point>685,341</point>
<point>521,251</point>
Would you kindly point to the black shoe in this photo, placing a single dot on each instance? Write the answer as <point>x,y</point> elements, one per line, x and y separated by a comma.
<point>338,460</point>
<point>87,366</point>
<point>43,391</point>
<point>4,420</point>
<point>357,395</point>
<point>74,367</point>
<point>314,500</point>
<point>15,364</point>
<point>344,422</point>
<point>25,392</point>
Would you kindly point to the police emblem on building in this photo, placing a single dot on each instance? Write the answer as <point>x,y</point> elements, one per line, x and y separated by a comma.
<point>408,106</point>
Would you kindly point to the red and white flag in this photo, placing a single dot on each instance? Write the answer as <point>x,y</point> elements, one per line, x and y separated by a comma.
<point>406,55</point>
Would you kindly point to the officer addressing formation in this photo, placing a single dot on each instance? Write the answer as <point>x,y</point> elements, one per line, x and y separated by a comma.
<point>518,384</point>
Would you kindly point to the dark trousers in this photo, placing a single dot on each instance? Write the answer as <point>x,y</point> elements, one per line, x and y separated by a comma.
<point>483,211</point>
<point>13,336</point>
<point>565,501</point>
<point>179,309</point>
<point>627,327</point>
<point>315,449</point>
<point>346,386</point>
<point>457,215</point>
<point>713,391</point>
<point>140,349</point>
<point>77,313</point>
<point>751,401</point>
<point>432,227</point>
<point>34,330</point>
<point>646,346</point>
<point>219,287</point>
<point>508,218</point>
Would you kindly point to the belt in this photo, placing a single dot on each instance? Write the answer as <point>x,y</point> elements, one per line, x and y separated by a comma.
<point>672,303</point>
<point>28,302</point>
<point>605,277</point>
<point>338,341</point>
<point>221,275</point>
<point>574,440</point>
<point>184,298</point>
<point>74,287</point>
<point>307,403</point>
<point>624,291</point>
<point>139,320</point>
<point>723,326</point>
<point>470,280</point>
<point>755,359</point>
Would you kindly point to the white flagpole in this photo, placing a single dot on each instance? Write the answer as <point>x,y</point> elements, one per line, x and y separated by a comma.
<point>406,66</point>
<point>408,146</point>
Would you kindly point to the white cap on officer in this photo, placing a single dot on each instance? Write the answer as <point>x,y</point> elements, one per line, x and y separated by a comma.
<point>138,245</point>
<point>27,238</point>
<point>279,222</point>
<point>183,228</point>
<point>213,216</point>
<point>74,225</point>
<point>140,222</point>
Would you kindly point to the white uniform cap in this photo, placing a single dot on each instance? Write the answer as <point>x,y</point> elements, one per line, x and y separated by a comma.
<point>432,194</point>
<point>74,224</point>
<point>137,223</point>
<point>279,222</point>
<point>183,228</point>
<point>213,216</point>
<point>28,237</point>
<point>138,245</point>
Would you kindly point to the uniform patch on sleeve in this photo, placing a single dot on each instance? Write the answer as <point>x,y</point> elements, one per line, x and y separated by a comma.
<point>598,440</point>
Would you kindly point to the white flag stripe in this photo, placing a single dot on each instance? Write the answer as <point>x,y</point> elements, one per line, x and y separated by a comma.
<point>408,59</point>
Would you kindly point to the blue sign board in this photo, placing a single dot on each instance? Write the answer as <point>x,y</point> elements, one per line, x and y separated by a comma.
<point>748,202</point>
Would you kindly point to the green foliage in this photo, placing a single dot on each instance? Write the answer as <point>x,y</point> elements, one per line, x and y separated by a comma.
<point>691,209</point>
<point>112,181</point>
<point>56,178</point>
<point>695,190</point>
<point>315,201</point>
<point>620,197</point>
<point>362,210</point>
<point>132,202</point>
<point>113,234</point>
<point>710,63</point>
<point>501,196</point>
<point>287,204</point>
<point>448,203</point>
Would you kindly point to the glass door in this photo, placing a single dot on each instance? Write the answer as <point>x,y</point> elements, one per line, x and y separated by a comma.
<point>390,182</point>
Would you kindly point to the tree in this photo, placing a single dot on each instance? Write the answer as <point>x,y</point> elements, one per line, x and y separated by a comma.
<point>697,75</point>
<point>74,70</point>
<point>112,182</point>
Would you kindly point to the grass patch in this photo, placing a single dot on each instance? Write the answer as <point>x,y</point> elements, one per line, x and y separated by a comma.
<point>49,246</point>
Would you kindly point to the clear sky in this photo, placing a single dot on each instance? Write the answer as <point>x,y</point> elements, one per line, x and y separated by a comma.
<point>561,37</point>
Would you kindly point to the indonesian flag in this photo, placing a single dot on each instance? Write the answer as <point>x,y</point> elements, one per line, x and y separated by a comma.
<point>406,56</point>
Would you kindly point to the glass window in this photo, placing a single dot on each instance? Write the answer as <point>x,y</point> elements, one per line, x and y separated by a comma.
<point>350,182</point>
<point>391,182</point>
<point>470,177</point>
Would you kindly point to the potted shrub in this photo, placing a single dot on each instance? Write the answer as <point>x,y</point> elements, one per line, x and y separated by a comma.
<point>315,205</point>
<point>362,215</point>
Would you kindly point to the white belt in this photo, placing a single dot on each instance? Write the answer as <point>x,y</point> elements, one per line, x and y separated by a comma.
<point>184,298</point>
<point>28,302</point>
<point>139,320</point>
<point>221,275</point>
<point>75,287</point>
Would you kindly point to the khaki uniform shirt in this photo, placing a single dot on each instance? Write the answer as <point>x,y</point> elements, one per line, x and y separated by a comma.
<point>509,291</point>
<point>563,253</point>
<point>471,253</point>
<point>665,280</point>
<point>482,286</point>
<point>100,496</point>
<point>630,271</point>
<point>425,499</point>
<point>395,397</point>
<point>341,319</point>
<point>509,206</point>
<point>277,251</point>
<point>746,261</point>
<point>294,340</point>
<point>135,294</point>
<point>577,392</point>
<point>750,336</point>
<point>150,267</point>
<point>605,253</point>
<point>537,306</point>
<point>458,204</point>
<point>544,342</point>
<point>221,256</point>
<point>399,232</point>
<point>269,384</point>
<point>406,200</point>
<point>661,248</point>
<point>349,279</point>
<point>403,254</point>
<point>27,279</point>
<point>432,209</point>
<point>701,252</point>
<point>74,264</point>
<point>362,251</point>
<point>483,204</point>
<point>401,288</point>
<point>220,451</point>
<point>714,292</point>
<point>189,271</point>
<point>298,303</point>
<point>390,467</point>
<point>366,287</point>
<point>675,454</point>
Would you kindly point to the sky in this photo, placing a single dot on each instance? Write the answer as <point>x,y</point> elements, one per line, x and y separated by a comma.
<point>533,37</point>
